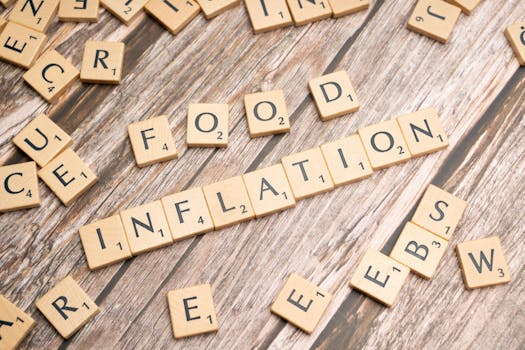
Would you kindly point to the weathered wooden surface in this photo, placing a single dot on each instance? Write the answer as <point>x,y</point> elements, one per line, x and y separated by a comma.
<point>474,82</point>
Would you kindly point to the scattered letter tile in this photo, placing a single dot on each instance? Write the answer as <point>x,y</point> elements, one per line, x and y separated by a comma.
<point>152,141</point>
<point>439,212</point>
<point>102,62</point>
<point>379,277</point>
<point>515,34</point>
<point>68,176</point>
<point>78,10</point>
<point>104,242</point>
<point>124,10</point>
<point>345,7</point>
<point>419,250</point>
<point>34,14</point>
<point>346,160</point>
<point>267,15</point>
<point>334,95</point>
<point>301,303</point>
<point>192,311</point>
<point>266,113</point>
<point>19,187</point>
<point>483,263</point>
<point>207,125</point>
<point>15,324</point>
<point>306,11</point>
<point>212,8</point>
<point>174,15</point>
<point>3,22</point>
<point>434,18</point>
<point>307,173</point>
<point>269,190</point>
<point>20,45</point>
<point>467,6</point>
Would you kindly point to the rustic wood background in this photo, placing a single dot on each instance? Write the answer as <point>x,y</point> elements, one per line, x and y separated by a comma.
<point>475,83</point>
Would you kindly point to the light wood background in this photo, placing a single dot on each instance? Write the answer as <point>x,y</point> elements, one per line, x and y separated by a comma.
<point>474,82</point>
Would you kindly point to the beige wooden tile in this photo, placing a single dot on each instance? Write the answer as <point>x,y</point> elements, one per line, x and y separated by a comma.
<point>301,303</point>
<point>334,95</point>
<point>41,139</point>
<point>269,190</point>
<point>207,125</point>
<point>419,250</point>
<point>439,212</point>
<point>345,7</point>
<point>174,15</point>
<point>67,307</point>
<point>307,173</point>
<point>266,113</point>
<point>78,10</point>
<point>483,262</point>
<point>423,132</point>
<point>307,11</point>
<point>187,213</point>
<point>212,8</point>
<point>14,325</point>
<point>20,45</point>
<point>380,277</point>
<point>146,227</point>
<point>515,34</point>
<point>51,75</point>
<point>3,22</point>
<point>68,176</point>
<point>346,160</point>
<point>104,242</point>
<point>19,187</point>
<point>228,202</point>
<point>6,3</point>
<point>152,141</point>
<point>384,144</point>
<point>124,10</point>
<point>102,62</point>
<point>267,15</point>
<point>434,18</point>
<point>467,6</point>
<point>34,14</point>
<point>192,311</point>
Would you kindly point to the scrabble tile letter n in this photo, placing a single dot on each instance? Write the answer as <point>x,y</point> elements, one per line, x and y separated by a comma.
<point>301,303</point>
<point>20,45</point>
<point>515,34</point>
<point>192,311</point>
<point>34,14</point>
<point>18,187</point>
<point>102,62</point>
<point>67,307</point>
<point>14,324</point>
<point>434,18</point>
<point>306,11</point>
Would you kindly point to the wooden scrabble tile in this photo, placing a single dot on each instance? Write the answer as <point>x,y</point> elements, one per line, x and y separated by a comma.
<point>174,15</point>
<point>483,262</point>
<point>419,250</point>
<point>301,303</point>
<point>3,22</point>
<point>266,113</point>
<point>42,140</point>
<point>334,95</point>
<point>19,187</point>
<point>307,11</point>
<point>346,160</point>
<point>102,62</point>
<point>34,14</point>
<point>212,8</point>
<point>379,277</point>
<point>228,202</point>
<point>384,144</point>
<point>423,132</point>
<point>67,176</point>
<point>307,173</point>
<point>146,227</point>
<point>104,242</point>
<point>20,45</point>
<point>78,10</point>
<point>187,213</point>
<point>467,6</point>
<point>515,34</point>
<point>67,307</point>
<point>434,18</point>
<point>51,75</point>
<point>269,190</point>
<point>267,15</point>
<point>152,141</point>
<point>207,125</point>
<point>15,325</point>
<point>342,8</point>
<point>192,311</point>
<point>6,3</point>
<point>439,212</point>
<point>124,10</point>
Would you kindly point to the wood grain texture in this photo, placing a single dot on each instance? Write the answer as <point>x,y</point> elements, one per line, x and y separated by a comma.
<point>474,82</point>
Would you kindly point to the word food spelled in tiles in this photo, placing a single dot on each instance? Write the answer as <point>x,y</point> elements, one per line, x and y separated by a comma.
<point>14,324</point>
<point>434,18</point>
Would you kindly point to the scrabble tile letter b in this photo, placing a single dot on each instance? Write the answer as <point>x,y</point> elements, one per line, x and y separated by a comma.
<point>20,45</point>
<point>14,324</point>
<point>434,18</point>
<point>18,187</point>
<point>192,311</point>
<point>301,303</point>
<point>102,62</point>
<point>515,34</point>
<point>67,307</point>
